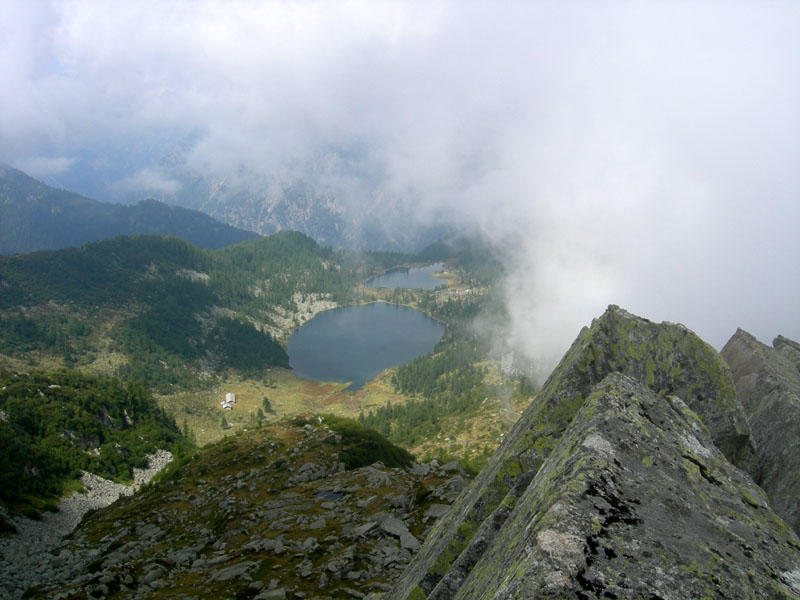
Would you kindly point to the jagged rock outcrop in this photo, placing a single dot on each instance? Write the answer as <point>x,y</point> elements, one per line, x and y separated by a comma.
<point>789,349</point>
<point>768,387</point>
<point>617,482</point>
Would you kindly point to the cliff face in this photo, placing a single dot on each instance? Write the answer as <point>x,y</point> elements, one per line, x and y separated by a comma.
<point>619,482</point>
<point>768,387</point>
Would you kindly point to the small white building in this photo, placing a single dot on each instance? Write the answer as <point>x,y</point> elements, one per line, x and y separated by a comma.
<point>230,400</point>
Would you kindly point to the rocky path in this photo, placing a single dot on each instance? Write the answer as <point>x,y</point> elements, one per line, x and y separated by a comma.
<point>26,557</point>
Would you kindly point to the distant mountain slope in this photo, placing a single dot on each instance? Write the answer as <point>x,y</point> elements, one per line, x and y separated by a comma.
<point>34,216</point>
<point>351,219</point>
<point>139,268</point>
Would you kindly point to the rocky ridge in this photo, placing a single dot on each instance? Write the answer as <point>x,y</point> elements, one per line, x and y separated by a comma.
<point>619,481</point>
<point>768,387</point>
<point>272,513</point>
<point>27,555</point>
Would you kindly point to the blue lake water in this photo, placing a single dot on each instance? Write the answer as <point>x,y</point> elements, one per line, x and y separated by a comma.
<point>416,278</point>
<point>355,343</point>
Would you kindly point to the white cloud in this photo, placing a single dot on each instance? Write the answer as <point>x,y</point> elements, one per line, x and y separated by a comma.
<point>44,167</point>
<point>642,154</point>
<point>149,182</point>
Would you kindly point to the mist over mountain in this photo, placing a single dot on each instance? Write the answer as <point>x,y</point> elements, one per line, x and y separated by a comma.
<point>34,216</point>
<point>642,155</point>
<point>302,204</point>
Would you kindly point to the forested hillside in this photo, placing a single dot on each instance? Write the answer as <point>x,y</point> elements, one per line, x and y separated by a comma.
<point>270,271</point>
<point>112,272</point>
<point>456,402</point>
<point>162,309</point>
<point>187,321</point>
<point>454,387</point>
<point>53,425</point>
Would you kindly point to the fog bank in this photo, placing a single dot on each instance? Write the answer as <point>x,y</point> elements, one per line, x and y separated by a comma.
<point>638,154</point>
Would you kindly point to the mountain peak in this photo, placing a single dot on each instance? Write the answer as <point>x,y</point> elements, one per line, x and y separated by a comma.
<point>768,387</point>
<point>616,482</point>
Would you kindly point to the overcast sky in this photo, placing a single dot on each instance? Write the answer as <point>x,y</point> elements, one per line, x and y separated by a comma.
<point>638,153</point>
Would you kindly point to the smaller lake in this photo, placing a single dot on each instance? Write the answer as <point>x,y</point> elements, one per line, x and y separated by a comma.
<point>355,343</point>
<point>417,278</point>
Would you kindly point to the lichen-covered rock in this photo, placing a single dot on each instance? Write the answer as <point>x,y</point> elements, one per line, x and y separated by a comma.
<point>636,501</point>
<point>665,360</point>
<point>789,349</point>
<point>671,360</point>
<point>768,387</point>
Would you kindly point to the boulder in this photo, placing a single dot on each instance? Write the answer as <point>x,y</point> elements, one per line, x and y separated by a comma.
<point>435,511</point>
<point>276,594</point>
<point>240,570</point>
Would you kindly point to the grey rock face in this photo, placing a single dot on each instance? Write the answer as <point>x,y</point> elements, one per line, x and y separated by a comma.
<point>636,501</point>
<point>396,527</point>
<point>670,360</point>
<point>768,387</point>
<point>240,570</point>
<point>276,594</point>
<point>616,482</point>
<point>789,349</point>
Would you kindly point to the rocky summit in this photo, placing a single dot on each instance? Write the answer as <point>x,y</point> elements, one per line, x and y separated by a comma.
<point>627,477</point>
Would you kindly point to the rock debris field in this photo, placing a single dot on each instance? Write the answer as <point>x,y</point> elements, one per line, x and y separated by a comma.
<point>27,556</point>
<point>274,513</point>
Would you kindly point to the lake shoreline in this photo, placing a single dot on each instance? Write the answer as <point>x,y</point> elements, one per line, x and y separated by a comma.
<point>418,277</point>
<point>365,342</point>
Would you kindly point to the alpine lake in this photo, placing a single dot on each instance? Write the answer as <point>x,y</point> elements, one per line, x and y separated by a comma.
<point>355,343</point>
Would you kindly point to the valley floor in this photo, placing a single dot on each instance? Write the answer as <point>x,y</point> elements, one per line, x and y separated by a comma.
<point>199,413</point>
